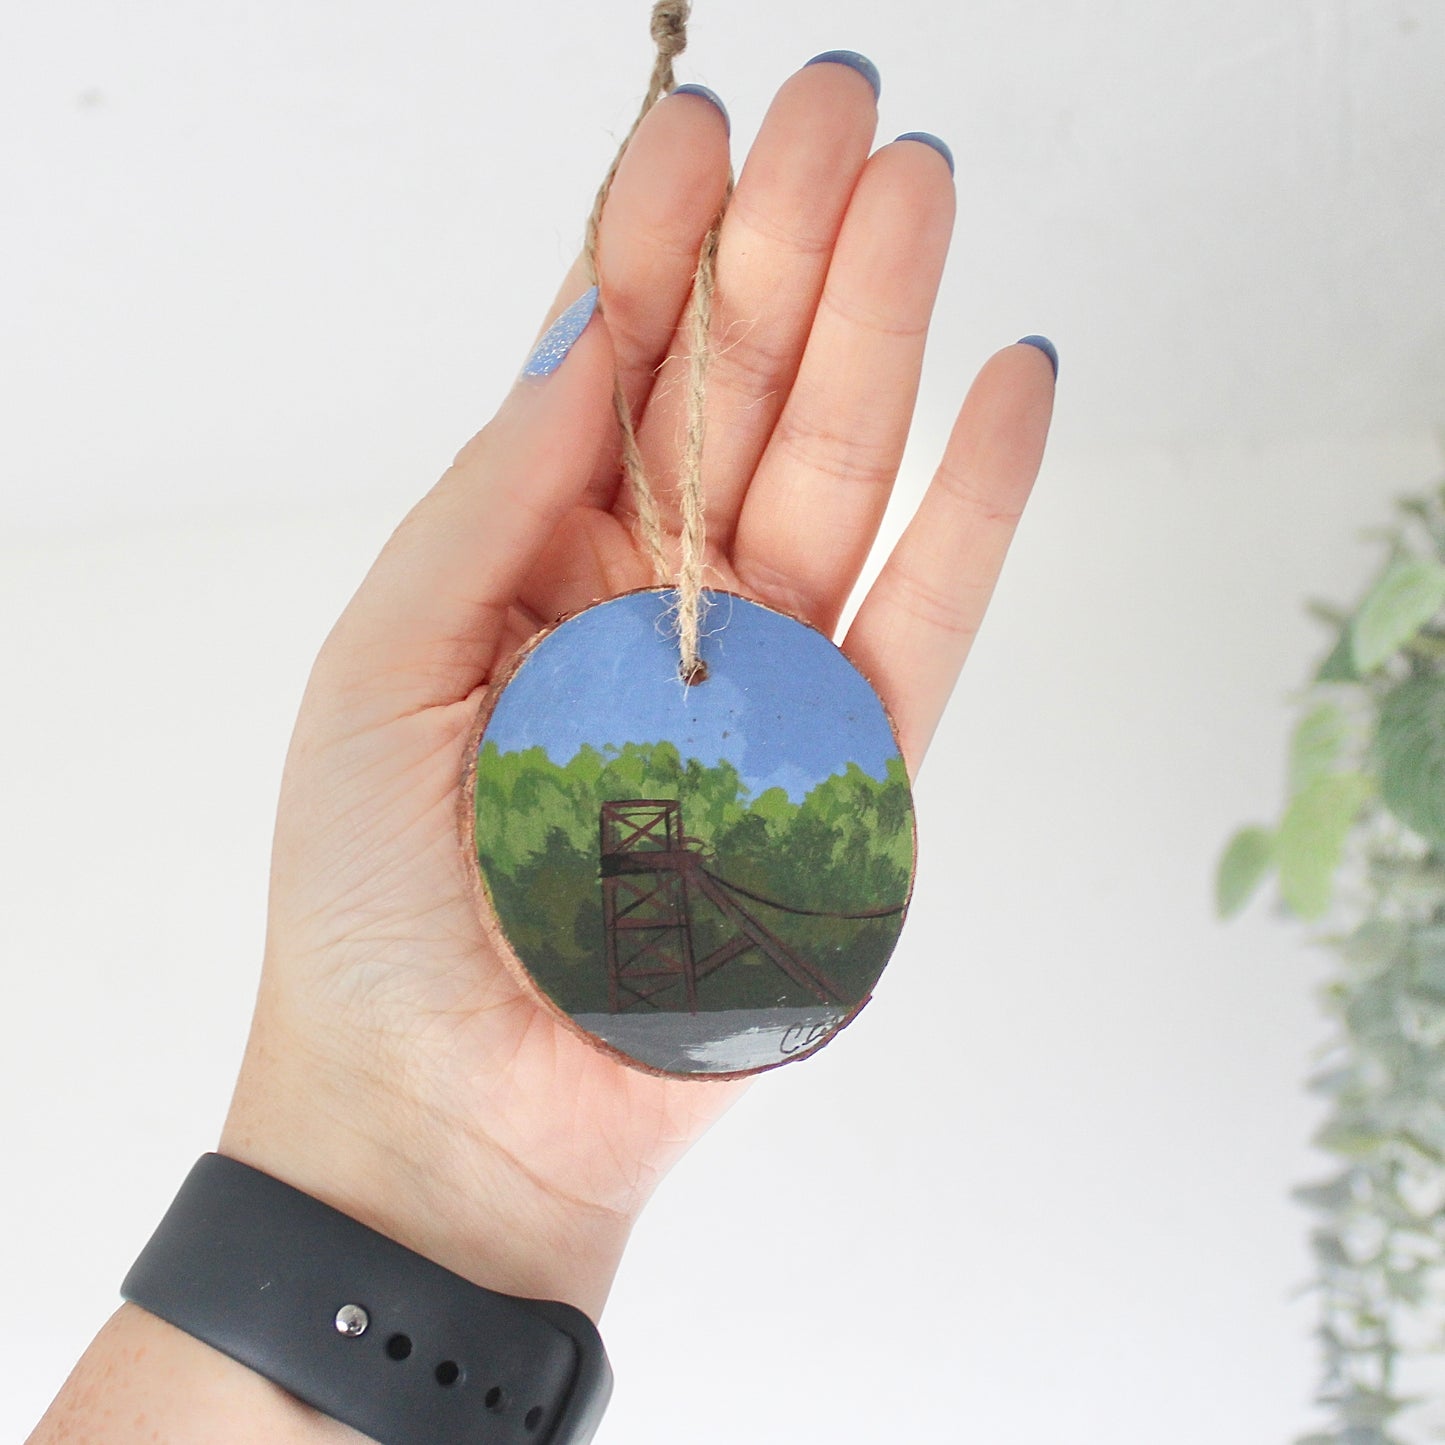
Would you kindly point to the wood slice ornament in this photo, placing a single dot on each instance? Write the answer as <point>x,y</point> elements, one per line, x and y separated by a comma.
<point>704,879</point>
<point>692,843</point>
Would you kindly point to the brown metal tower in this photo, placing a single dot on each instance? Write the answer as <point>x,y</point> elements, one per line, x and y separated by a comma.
<point>651,874</point>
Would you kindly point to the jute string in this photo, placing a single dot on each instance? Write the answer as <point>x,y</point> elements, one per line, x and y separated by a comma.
<point>669,34</point>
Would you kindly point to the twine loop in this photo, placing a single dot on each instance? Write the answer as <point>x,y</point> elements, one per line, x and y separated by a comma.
<point>669,27</point>
<point>669,35</point>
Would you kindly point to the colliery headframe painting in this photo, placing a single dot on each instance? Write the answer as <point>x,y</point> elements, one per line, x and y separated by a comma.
<point>707,878</point>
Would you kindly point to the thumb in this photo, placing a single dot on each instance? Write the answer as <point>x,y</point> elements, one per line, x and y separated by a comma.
<point>424,626</point>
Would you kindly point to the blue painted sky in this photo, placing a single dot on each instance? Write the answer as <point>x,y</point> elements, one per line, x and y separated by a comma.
<point>781,703</point>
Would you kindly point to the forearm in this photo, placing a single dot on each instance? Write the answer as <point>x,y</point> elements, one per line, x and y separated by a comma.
<point>143,1380</point>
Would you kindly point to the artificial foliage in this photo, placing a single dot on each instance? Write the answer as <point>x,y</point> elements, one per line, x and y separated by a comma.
<point>1359,850</point>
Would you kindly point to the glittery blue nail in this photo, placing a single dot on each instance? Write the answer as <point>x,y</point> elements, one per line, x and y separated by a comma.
<point>854,61</point>
<point>551,351</point>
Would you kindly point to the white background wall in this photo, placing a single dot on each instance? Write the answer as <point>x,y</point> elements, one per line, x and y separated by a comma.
<point>267,265</point>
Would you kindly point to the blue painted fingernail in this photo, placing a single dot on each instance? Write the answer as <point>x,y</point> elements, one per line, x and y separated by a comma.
<point>709,95</point>
<point>924,138</point>
<point>551,351</point>
<point>1046,346</point>
<point>860,63</point>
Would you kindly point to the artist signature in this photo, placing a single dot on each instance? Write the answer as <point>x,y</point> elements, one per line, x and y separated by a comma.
<point>803,1036</point>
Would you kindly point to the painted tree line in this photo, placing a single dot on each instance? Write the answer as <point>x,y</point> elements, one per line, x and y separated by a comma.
<point>846,847</point>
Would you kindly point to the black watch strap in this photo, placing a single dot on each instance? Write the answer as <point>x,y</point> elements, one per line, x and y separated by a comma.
<point>360,1327</point>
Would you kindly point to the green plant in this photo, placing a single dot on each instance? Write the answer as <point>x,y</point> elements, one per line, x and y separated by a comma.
<point>1361,847</point>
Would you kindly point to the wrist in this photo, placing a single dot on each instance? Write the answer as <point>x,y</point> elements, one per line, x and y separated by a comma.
<point>417,1170</point>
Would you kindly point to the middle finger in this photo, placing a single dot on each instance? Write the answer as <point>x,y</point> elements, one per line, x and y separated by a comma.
<point>773,253</point>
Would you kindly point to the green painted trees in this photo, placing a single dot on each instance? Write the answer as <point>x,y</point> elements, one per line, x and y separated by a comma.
<point>846,847</point>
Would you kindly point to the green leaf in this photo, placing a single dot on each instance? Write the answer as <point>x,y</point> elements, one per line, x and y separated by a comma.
<point>1422,1146</point>
<point>1410,746</point>
<point>1311,840</point>
<point>1329,1251</point>
<point>1410,1285</point>
<point>1375,944</point>
<point>1399,605</point>
<point>1429,939</point>
<point>1330,1082</point>
<point>1337,1137</point>
<point>1369,1409</point>
<point>1374,1011</point>
<point>1318,738</point>
<point>1329,1198</point>
<point>1430,978</point>
<point>1339,666</point>
<point>1242,868</point>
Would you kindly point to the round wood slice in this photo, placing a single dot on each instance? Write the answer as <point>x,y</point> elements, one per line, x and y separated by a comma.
<point>705,879</point>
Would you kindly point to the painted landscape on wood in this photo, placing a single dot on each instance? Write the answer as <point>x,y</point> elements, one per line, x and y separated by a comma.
<point>709,878</point>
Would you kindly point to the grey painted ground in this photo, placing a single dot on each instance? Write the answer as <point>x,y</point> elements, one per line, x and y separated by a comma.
<point>714,1043</point>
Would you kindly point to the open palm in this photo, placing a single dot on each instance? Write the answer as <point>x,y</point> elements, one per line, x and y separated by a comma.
<point>395,1067</point>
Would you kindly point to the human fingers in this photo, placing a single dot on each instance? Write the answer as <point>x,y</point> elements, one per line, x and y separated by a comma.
<point>773,254</point>
<point>815,502</point>
<point>667,192</point>
<point>918,621</point>
<point>425,625</point>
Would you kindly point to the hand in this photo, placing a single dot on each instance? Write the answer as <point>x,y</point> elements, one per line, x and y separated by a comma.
<point>396,1068</point>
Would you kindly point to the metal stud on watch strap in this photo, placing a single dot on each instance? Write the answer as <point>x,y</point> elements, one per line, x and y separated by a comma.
<point>361,1328</point>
